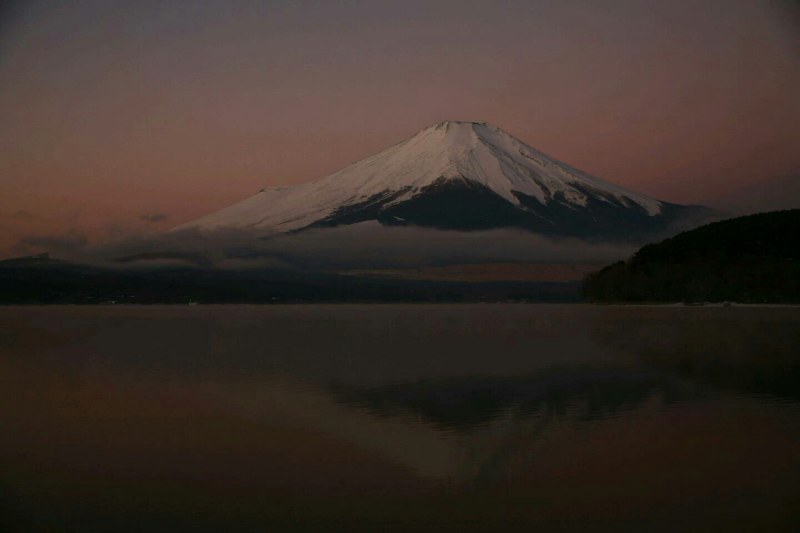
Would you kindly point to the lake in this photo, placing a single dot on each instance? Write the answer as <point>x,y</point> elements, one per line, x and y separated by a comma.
<point>400,417</point>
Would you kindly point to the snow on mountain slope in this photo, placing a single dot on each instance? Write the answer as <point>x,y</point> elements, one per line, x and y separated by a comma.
<point>472,164</point>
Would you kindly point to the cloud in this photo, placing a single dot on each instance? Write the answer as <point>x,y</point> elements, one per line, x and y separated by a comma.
<point>366,245</point>
<point>65,244</point>
<point>154,217</point>
<point>21,215</point>
<point>371,245</point>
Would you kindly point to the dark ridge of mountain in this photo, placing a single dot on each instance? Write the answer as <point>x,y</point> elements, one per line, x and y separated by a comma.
<point>753,259</point>
<point>469,206</point>
<point>69,283</point>
<point>190,258</point>
<point>29,260</point>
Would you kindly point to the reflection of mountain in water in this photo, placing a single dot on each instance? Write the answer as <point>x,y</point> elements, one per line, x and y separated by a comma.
<point>496,426</point>
<point>479,393</point>
<point>467,403</point>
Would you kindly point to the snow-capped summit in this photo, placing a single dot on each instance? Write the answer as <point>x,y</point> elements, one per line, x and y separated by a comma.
<point>454,175</point>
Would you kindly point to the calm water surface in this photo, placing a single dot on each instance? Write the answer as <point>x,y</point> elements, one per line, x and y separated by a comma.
<point>445,417</point>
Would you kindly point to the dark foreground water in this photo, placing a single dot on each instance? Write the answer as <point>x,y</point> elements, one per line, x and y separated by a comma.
<point>446,417</point>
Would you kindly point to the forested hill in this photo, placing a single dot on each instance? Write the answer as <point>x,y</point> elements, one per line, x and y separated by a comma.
<point>754,259</point>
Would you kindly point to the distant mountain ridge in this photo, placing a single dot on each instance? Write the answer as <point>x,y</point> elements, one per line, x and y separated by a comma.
<point>462,176</point>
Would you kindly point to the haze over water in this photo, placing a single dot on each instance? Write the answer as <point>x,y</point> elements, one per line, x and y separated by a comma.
<point>403,417</point>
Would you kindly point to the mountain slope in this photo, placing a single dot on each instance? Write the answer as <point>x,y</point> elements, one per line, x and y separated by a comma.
<point>460,176</point>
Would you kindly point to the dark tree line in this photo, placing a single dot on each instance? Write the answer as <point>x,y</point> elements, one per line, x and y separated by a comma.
<point>753,259</point>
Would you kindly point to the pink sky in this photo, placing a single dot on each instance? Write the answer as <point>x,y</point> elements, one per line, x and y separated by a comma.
<point>127,118</point>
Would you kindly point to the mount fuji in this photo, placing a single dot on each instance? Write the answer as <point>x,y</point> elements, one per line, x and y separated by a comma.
<point>462,176</point>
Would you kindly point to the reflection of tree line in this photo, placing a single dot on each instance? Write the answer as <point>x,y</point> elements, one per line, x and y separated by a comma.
<point>754,258</point>
<point>745,350</point>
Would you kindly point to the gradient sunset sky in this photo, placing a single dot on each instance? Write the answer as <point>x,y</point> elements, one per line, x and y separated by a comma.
<point>121,118</point>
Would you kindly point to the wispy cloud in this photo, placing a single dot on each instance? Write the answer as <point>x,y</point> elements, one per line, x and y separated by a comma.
<point>64,244</point>
<point>153,217</point>
<point>21,215</point>
<point>366,245</point>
